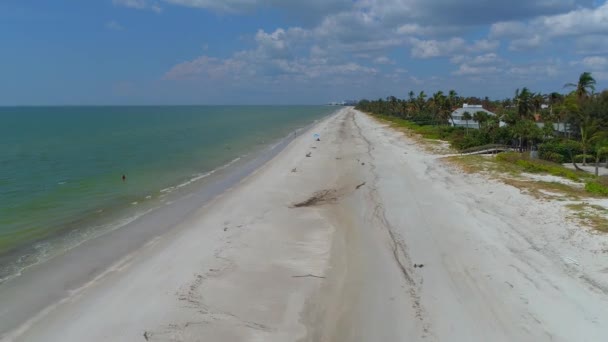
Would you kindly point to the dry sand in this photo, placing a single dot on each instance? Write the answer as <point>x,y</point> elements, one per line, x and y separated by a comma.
<point>369,239</point>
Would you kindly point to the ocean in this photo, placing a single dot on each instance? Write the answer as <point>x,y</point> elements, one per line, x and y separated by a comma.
<point>61,168</point>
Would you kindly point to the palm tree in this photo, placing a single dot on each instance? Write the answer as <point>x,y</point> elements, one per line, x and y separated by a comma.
<point>392,101</point>
<point>554,98</point>
<point>585,85</point>
<point>524,102</point>
<point>420,101</point>
<point>452,103</point>
<point>481,117</point>
<point>601,149</point>
<point>525,130</point>
<point>411,96</point>
<point>537,102</point>
<point>492,125</point>
<point>441,106</point>
<point>588,128</point>
<point>466,116</point>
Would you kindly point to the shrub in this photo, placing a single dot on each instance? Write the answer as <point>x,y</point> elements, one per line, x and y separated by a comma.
<point>597,188</point>
<point>561,147</point>
<point>579,158</point>
<point>463,141</point>
<point>563,172</point>
<point>509,157</point>
<point>553,157</point>
<point>530,166</point>
<point>536,165</point>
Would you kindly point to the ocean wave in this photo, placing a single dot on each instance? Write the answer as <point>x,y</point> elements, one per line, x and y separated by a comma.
<point>47,250</point>
<point>199,176</point>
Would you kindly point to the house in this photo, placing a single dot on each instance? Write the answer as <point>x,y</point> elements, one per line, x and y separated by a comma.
<point>560,127</point>
<point>457,115</point>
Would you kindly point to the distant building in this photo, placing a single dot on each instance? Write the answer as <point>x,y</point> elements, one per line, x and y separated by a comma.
<point>458,121</point>
<point>344,103</point>
<point>562,127</point>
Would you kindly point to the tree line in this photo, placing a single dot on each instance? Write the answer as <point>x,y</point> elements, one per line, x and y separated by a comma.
<point>562,126</point>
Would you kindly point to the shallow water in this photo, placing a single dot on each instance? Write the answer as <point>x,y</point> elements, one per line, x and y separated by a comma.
<point>61,167</point>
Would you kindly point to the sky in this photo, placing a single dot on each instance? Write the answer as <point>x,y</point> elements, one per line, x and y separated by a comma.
<point>166,52</point>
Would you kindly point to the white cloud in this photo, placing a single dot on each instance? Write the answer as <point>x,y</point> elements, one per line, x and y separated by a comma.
<point>508,29</point>
<point>464,12</point>
<point>539,31</point>
<point>491,67</point>
<point>139,4</point>
<point>481,65</point>
<point>577,22</point>
<point>526,44</point>
<point>597,65</point>
<point>240,6</point>
<point>547,69</point>
<point>280,42</point>
<point>434,48</point>
<point>435,13</point>
<point>205,66</point>
<point>595,62</point>
<point>453,46</point>
<point>249,63</point>
<point>367,31</point>
<point>114,26</point>
<point>383,60</point>
<point>410,29</point>
<point>413,29</point>
<point>484,45</point>
<point>468,70</point>
<point>488,58</point>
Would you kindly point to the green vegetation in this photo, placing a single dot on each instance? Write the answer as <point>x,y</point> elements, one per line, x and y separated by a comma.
<point>596,188</point>
<point>458,137</point>
<point>540,166</point>
<point>560,126</point>
<point>592,215</point>
<point>509,166</point>
<point>559,151</point>
<point>563,128</point>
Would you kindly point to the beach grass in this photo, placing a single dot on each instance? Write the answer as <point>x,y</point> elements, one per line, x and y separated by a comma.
<point>594,216</point>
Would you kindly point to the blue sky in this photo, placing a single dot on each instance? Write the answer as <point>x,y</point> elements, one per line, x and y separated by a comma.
<point>292,52</point>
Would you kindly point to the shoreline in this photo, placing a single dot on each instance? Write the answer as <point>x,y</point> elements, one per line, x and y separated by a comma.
<point>89,227</point>
<point>57,197</point>
<point>123,240</point>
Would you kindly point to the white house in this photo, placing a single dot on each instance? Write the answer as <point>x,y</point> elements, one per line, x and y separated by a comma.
<point>560,127</point>
<point>458,121</point>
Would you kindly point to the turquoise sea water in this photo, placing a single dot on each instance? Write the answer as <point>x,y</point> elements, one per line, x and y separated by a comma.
<point>61,167</point>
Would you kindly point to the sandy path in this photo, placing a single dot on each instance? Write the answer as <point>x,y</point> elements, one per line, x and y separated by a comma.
<point>249,266</point>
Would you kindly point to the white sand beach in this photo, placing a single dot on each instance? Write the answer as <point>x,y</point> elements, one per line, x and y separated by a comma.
<point>370,238</point>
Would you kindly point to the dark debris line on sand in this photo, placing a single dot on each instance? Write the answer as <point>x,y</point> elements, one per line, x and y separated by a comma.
<point>308,276</point>
<point>317,198</point>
